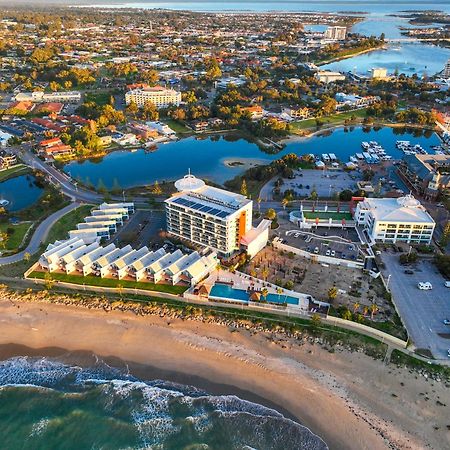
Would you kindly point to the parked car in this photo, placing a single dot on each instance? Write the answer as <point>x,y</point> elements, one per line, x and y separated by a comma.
<point>316,250</point>
<point>328,252</point>
<point>333,253</point>
<point>409,272</point>
<point>425,286</point>
<point>447,284</point>
<point>448,352</point>
<point>446,322</point>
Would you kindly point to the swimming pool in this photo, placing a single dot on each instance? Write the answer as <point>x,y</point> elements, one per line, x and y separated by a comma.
<point>225,291</point>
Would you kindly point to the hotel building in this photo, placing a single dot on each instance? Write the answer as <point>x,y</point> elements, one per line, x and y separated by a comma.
<point>214,218</point>
<point>336,33</point>
<point>158,95</point>
<point>393,220</point>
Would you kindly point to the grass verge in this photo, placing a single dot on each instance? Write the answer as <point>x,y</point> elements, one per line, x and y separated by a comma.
<point>91,280</point>
<point>68,222</point>
<point>15,171</point>
<point>16,233</point>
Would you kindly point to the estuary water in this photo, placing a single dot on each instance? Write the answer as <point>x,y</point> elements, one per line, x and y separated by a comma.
<point>220,158</point>
<point>45,404</point>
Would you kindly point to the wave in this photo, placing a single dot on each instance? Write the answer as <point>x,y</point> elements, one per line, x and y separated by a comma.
<point>125,412</point>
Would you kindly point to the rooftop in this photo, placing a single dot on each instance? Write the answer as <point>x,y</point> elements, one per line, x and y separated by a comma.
<point>403,209</point>
<point>195,194</point>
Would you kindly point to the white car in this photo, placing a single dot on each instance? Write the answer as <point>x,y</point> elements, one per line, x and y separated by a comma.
<point>328,253</point>
<point>333,253</point>
<point>427,286</point>
<point>447,284</point>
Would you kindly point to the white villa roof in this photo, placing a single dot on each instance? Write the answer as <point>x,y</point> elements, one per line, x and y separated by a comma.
<point>165,261</point>
<point>103,217</point>
<point>92,256</point>
<point>147,260</point>
<point>105,206</point>
<point>93,231</point>
<point>133,257</point>
<point>255,232</point>
<point>103,212</point>
<point>113,256</point>
<point>403,209</point>
<point>125,259</point>
<point>63,248</point>
<point>182,263</point>
<point>96,224</point>
<point>201,265</point>
<point>79,252</point>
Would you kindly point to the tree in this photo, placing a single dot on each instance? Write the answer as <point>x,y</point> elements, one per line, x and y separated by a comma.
<point>132,109</point>
<point>332,293</point>
<point>284,202</point>
<point>347,315</point>
<point>244,191</point>
<point>26,256</point>
<point>265,273</point>
<point>271,214</point>
<point>119,288</point>
<point>150,111</point>
<point>316,320</point>
<point>264,293</point>
<point>314,195</point>
<point>259,200</point>
<point>445,235</point>
<point>373,308</point>
<point>156,189</point>
<point>49,281</point>
<point>356,306</point>
<point>3,239</point>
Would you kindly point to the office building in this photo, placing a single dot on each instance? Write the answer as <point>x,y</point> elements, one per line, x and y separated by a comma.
<point>336,33</point>
<point>158,95</point>
<point>393,220</point>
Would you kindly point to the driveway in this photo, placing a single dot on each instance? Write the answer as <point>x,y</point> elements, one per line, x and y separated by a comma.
<point>422,312</point>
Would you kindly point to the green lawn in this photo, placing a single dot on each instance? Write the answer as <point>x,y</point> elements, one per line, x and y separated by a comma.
<point>92,280</point>
<point>15,171</point>
<point>327,215</point>
<point>16,237</point>
<point>99,98</point>
<point>177,126</point>
<point>334,119</point>
<point>68,222</point>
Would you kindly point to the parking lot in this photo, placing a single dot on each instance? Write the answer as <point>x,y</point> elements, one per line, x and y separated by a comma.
<point>325,182</point>
<point>144,228</point>
<point>423,312</point>
<point>326,245</point>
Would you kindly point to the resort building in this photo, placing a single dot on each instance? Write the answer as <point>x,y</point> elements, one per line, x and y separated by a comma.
<point>158,95</point>
<point>336,33</point>
<point>428,175</point>
<point>446,71</point>
<point>209,216</point>
<point>42,97</point>
<point>327,77</point>
<point>379,73</point>
<point>393,220</point>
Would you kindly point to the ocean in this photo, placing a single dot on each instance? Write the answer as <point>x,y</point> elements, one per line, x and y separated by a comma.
<point>46,403</point>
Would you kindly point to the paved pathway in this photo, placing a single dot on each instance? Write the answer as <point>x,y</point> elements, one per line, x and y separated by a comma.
<point>39,235</point>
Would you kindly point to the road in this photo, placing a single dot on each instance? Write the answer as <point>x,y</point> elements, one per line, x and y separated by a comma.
<point>39,235</point>
<point>422,312</point>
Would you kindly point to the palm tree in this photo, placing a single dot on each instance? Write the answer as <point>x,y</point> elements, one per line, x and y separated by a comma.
<point>284,202</point>
<point>365,311</point>
<point>356,306</point>
<point>265,293</point>
<point>373,309</point>
<point>279,291</point>
<point>3,239</point>
<point>265,273</point>
<point>119,288</point>
<point>253,273</point>
<point>259,200</point>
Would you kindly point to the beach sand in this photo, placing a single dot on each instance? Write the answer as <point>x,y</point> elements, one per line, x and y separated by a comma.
<point>348,399</point>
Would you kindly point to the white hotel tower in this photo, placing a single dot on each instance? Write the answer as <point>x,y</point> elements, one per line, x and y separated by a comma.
<point>214,218</point>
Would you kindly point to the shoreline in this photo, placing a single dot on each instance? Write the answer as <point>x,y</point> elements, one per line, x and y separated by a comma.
<point>309,381</point>
<point>353,55</point>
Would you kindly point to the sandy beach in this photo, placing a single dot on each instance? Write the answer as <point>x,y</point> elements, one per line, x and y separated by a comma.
<point>348,399</point>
